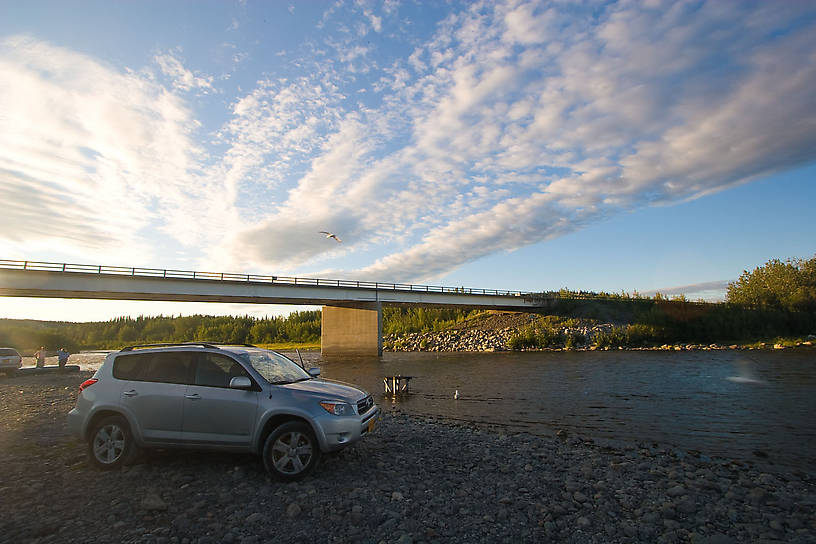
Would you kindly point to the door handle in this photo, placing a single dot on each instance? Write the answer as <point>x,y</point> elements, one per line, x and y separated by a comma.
<point>131,393</point>
<point>194,396</point>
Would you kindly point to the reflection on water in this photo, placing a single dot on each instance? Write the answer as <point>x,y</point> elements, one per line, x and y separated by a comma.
<point>746,369</point>
<point>726,403</point>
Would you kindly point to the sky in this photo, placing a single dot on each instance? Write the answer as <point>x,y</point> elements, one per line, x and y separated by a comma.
<point>602,146</point>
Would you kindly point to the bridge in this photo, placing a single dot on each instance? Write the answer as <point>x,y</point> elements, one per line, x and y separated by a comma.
<point>351,310</point>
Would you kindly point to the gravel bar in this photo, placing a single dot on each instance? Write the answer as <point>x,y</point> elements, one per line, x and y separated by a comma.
<point>414,480</point>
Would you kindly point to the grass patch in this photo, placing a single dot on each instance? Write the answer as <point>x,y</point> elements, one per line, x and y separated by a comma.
<point>291,346</point>
<point>788,342</point>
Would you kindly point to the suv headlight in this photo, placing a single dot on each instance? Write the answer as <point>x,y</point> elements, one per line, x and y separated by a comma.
<point>337,408</point>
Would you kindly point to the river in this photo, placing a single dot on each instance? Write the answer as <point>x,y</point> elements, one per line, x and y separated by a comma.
<point>757,405</point>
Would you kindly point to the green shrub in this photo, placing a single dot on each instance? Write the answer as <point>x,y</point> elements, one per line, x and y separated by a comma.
<point>614,338</point>
<point>550,337</point>
<point>524,339</point>
<point>574,339</point>
<point>639,335</point>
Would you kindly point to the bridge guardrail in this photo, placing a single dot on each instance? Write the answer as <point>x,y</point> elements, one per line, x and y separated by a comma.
<point>250,278</point>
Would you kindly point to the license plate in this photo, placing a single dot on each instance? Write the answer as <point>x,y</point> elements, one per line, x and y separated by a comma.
<point>371,423</point>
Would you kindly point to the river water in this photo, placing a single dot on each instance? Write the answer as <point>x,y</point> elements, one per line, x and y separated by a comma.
<point>737,404</point>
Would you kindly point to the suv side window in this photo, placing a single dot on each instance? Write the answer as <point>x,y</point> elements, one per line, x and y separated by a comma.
<point>216,370</point>
<point>166,367</point>
<point>128,367</point>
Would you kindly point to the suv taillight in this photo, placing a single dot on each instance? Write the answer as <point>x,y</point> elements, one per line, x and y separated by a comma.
<point>86,384</point>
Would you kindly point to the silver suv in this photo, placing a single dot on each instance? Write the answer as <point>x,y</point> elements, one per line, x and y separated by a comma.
<point>225,397</point>
<point>10,361</point>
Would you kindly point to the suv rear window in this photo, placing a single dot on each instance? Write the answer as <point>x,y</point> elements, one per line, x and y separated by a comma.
<point>167,367</point>
<point>5,352</point>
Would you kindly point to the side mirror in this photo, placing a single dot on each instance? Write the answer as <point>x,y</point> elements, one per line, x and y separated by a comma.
<point>314,372</point>
<point>240,382</point>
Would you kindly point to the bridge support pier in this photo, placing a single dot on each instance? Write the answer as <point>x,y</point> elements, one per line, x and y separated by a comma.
<point>353,331</point>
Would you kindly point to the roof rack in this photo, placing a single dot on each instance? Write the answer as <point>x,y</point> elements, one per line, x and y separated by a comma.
<point>215,344</point>
<point>170,344</point>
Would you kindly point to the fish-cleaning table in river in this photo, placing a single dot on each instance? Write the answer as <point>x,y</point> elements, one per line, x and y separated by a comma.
<point>396,384</point>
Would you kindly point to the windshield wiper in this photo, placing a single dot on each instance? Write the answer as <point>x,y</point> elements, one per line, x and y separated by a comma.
<point>287,382</point>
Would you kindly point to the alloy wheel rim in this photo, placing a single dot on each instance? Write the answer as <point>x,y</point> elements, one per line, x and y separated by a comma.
<point>109,443</point>
<point>291,453</point>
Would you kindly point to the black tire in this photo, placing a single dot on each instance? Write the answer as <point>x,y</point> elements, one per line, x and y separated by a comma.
<point>291,451</point>
<point>110,443</point>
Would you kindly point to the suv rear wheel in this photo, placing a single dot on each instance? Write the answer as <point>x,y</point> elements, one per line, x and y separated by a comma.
<point>291,451</point>
<point>111,444</point>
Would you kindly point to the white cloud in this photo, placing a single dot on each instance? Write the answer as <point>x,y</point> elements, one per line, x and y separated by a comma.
<point>581,116</point>
<point>512,124</point>
<point>374,20</point>
<point>182,78</point>
<point>89,156</point>
<point>273,130</point>
<point>711,291</point>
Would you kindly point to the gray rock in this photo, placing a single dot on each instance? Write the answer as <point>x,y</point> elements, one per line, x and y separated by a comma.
<point>181,523</point>
<point>676,491</point>
<point>651,517</point>
<point>757,495</point>
<point>686,506</point>
<point>152,502</point>
<point>579,497</point>
<point>293,510</point>
<point>670,524</point>
<point>717,539</point>
<point>254,518</point>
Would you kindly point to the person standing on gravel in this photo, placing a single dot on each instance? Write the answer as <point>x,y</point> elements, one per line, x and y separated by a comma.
<point>40,355</point>
<point>62,357</point>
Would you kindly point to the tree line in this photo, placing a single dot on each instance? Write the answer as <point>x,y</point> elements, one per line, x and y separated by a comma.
<point>775,300</point>
<point>301,327</point>
<point>297,327</point>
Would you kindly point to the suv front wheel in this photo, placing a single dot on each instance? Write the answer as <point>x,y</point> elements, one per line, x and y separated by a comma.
<point>291,451</point>
<point>111,443</point>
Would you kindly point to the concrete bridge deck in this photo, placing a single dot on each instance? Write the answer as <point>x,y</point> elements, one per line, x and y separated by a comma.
<point>352,315</point>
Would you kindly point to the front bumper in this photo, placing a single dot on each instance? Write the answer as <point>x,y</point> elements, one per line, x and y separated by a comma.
<point>339,432</point>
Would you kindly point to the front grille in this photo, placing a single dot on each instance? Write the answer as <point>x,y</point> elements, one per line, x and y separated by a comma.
<point>365,405</point>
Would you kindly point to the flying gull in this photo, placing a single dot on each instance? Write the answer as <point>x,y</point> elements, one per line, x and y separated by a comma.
<point>330,235</point>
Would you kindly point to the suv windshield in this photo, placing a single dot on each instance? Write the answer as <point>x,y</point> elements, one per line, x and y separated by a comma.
<point>274,367</point>
<point>5,352</point>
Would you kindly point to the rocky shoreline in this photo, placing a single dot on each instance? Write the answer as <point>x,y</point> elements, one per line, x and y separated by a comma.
<point>414,480</point>
<point>497,331</point>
